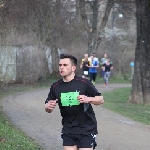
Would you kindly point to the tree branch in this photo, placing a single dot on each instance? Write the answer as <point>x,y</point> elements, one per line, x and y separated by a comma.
<point>83,14</point>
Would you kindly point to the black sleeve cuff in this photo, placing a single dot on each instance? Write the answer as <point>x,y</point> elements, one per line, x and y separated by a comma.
<point>46,101</point>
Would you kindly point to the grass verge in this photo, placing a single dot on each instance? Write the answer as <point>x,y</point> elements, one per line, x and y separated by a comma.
<point>12,138</point>
<point>116,101</point>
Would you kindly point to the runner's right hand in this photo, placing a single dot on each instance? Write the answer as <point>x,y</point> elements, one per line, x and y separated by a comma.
<point>50,105</point>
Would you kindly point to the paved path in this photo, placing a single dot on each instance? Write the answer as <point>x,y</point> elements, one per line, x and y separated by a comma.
<point>116,132</point>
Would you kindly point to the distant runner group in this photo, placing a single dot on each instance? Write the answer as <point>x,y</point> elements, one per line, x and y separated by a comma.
<point>90,64</point>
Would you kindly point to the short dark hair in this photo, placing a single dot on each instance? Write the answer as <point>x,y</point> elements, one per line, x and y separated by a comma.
<point>71,57</point>
<point>93,54</point>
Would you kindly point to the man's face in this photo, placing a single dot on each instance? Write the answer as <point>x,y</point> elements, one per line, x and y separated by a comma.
<point>92,56</point>
<point>105,55</point>
<point>86,56</point>
<point>65,67</point>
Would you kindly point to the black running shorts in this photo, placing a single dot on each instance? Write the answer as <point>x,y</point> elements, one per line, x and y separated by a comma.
<point>82,141</point>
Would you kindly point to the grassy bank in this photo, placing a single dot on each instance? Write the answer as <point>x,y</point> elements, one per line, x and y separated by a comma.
<point>12,138</point>
<point>116,101</point>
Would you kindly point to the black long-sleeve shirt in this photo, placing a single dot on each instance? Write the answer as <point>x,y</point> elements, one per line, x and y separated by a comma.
<point>77,118</point>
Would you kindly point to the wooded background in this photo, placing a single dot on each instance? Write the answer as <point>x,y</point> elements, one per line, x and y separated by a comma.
<point>34,32</point>
<point>77,27</point>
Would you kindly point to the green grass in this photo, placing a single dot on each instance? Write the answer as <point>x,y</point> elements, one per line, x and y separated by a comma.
<point>113,80</point>
<point>12,138</point>
<point>117,101</point>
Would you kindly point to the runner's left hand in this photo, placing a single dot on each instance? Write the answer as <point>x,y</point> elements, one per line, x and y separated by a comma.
<point>83,99</point>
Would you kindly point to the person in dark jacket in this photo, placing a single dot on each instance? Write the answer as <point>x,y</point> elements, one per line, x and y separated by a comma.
<point>74,96</point>
<point>94,64</point>
<point>107,67</point>
<point>85,63</point>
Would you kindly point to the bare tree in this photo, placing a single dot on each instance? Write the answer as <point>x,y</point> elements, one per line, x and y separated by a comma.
<point>100,12</point>
<point>141,81</point>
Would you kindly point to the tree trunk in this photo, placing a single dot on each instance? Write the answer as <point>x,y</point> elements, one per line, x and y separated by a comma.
<point>101,10</point>
<point>104,11</point>
<point>140,93</point>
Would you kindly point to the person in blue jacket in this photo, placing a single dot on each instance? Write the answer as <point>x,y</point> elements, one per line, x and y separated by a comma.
<point>94,64</point>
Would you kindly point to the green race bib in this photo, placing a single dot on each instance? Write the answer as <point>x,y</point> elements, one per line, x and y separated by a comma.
<point>69,99</point>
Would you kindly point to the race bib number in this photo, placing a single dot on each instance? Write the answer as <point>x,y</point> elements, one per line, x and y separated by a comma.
<point>69,99</point>
<point>85,72</point>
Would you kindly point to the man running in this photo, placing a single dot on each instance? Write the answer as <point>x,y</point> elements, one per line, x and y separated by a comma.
<point>75,96</point>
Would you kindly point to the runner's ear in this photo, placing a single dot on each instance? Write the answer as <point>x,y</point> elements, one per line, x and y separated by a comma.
<point>74,68</point>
